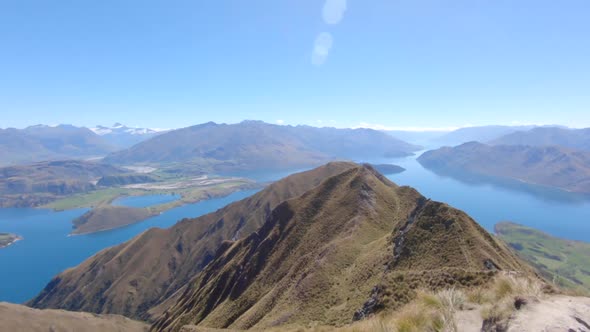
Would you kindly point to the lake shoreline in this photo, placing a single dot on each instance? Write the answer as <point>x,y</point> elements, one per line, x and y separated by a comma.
<point>15,239</point>
<point>155,211</point>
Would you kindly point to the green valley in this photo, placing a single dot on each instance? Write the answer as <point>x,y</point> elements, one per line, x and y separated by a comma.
<point>564,262</point>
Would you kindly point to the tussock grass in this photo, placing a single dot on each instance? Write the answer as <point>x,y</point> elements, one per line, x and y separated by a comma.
<point>429,312</point>
<point>434,311</point>
<point>499,299</point>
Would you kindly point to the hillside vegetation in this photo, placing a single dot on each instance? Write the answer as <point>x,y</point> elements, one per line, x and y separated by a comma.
<point>136,276</point>
<point>330,246</point>
<point>353,246</point>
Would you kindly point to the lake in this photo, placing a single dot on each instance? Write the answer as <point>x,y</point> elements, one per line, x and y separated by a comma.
<point>47,250</point>
<point>553,211</point>
<point>28,265</point>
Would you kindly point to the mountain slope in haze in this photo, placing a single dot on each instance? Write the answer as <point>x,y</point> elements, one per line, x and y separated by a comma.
<point>479,134</point>
<point>140,274</point>
<point>548,136</point>
<point>255,145</point>
<point>422,137</point>
<point>16,317</point>
<point>124,137</point>
<point>549,166</point>
<point>40,143</point>
<point>352,246</point>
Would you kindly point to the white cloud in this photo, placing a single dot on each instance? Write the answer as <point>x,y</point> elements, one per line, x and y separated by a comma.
<point>321,48</point>
<point>333,11</point>
<point>280,122</point>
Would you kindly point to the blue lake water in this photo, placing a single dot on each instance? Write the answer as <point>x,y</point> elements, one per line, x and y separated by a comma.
<point>145,201</point>
<point>46,250</point>
<point>28,265</point>
<point>553,211</point>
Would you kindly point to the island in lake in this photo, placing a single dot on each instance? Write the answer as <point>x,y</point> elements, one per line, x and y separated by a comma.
<point>105,216</point>
<point>388,169</point>
<point>7,239</point>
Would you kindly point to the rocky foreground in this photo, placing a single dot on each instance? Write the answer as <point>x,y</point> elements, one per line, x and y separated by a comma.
<point>14,317</point>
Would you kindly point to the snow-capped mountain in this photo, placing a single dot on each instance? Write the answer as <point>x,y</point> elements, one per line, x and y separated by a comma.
<point>123,136</point>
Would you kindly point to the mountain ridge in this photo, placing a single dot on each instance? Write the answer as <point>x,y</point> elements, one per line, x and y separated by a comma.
<point>550,166</point>
<point>333,254</point>
<point>42,143</point>
<point>255,144</point>
<point>578,139</point>
<point>102,283</point>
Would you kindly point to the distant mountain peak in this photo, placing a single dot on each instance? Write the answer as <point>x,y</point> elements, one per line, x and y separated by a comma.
<point>118,127</point>
<point>125,136</point>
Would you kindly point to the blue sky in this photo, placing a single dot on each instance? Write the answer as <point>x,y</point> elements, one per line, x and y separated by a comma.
<point>388,63</point>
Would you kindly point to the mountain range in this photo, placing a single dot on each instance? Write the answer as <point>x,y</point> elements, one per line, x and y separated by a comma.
<point>331,245</point>
<point>41,143</point>
<point>259,145</point>
<point>578,139</point>
<point>478,133</point>
<point>551,166</point>
<point>44,143</point>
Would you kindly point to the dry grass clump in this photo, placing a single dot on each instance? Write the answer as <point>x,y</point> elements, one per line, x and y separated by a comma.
<point>505,296</point>
<point>429,312</point>
<point>434,311</point>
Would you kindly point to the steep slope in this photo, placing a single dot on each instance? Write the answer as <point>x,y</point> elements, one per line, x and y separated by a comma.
<point>16,317</point>
<point>39,143</point>
<point>550,166</point>
<point>354,245</point>
<point>255,145</point>
<point>548,136</point>
<point>135,276</point>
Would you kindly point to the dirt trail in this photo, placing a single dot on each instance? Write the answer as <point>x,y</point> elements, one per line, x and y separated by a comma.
<point>556,313</point>
<point>551,314</point>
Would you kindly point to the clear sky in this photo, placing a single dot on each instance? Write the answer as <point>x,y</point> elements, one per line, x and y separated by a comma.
<point>390,63</point>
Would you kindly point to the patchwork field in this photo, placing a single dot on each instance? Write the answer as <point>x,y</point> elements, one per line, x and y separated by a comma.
<point>563,262</point>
